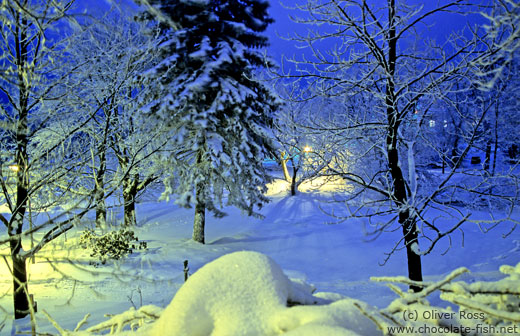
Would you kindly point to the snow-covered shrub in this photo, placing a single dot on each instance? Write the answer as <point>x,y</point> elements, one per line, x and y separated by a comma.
<point>482,308</point>
<point>112,245</point>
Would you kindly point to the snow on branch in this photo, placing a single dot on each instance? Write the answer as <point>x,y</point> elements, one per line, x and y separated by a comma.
<point>503,42</point>
<point>482,306</point>
<point>132,317</point>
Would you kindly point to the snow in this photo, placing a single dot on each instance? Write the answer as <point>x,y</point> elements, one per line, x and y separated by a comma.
<point>415,248</point>
<point>296,234</point>
<point>204,50</point>
<point>235,294</point>
<point>320,184</point>
<point>245,293</point>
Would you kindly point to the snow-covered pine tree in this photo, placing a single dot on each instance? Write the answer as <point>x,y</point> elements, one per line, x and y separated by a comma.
<point>218,112</point>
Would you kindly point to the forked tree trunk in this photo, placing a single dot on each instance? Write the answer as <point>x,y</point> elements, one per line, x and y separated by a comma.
<point>454,153</point>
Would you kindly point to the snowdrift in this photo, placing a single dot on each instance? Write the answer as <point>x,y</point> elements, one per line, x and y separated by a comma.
<point>246,293</point>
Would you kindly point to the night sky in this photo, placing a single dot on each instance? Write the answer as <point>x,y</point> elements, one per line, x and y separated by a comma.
<point>439,26</point>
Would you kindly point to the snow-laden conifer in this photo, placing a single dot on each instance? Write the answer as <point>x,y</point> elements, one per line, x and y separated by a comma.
<point>218,112</point>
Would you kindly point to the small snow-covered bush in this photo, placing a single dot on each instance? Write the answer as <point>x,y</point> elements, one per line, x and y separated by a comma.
<point>112,245</point>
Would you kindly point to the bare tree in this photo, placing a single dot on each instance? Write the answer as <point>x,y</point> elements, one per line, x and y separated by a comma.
<point>501,124</point>
<point>380,57</point>
<point>45,122</point>
<point>308,150</point>
<point>122,143</point>
<point>32,87</point>
<point>496,72</point>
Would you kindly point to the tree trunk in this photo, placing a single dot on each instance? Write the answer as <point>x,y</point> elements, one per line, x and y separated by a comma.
<point>410,238</point>
<point>294,186</point>
<point>399,186</point>
<point>283,161</point>
<point>200,216</point>
<point>455,149</point>
<point>495,150</point>
<point>99,177</point>
<point>101,210</point>
<point>129,210</point>
<point>512,153</point>
<point>407,221</point>
<point>15,226</point>
<point>20,288</point>
<point>99,191</point>
<point>20,292</point>
<point>15,229</point>
<point>199,220</point>
<point>487,160</point>
<point>129,195</point>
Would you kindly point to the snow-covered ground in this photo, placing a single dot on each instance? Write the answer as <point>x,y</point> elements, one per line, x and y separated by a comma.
<point>295,233</point>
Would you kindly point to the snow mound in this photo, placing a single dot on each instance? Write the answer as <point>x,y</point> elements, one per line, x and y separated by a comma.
<point>277,187</point>
<point>234,295</point>
<point>246,293</point>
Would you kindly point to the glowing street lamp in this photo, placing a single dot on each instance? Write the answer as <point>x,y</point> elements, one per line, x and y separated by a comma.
<point>15,168</point>
<point>307,149</point>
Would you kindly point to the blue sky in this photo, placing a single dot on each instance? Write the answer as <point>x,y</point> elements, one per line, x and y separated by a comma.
<point>440,25</point>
